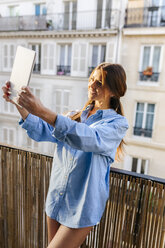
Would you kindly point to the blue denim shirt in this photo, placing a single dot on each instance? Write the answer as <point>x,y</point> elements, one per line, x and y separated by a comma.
<point>79,183</point>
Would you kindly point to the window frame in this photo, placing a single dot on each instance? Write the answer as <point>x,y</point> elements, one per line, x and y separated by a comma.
<point>152,46</point>
<point>139,165</point>
<point>144,119</point>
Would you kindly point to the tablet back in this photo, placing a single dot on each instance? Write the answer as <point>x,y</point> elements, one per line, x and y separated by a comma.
<point>22,69</point>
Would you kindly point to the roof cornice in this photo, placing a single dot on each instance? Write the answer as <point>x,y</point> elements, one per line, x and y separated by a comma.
<point>59,34</point>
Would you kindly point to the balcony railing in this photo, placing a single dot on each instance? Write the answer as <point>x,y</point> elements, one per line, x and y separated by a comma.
<point>134,214</point>
<point>83,20</point>
<point>23,23</point>
<point>152,78</point>
<point>142,132</point>
<point>145,17</point>
<point>63,70</point>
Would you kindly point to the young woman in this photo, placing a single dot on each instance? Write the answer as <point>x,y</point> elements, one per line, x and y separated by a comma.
<point>87,144</point>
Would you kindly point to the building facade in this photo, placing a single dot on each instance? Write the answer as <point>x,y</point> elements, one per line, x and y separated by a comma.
<point>143,53</point>
<point>70,38</point>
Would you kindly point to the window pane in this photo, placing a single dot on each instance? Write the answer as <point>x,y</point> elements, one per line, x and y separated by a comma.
<point>151,108</point>
<point>139,120</point>
<point>102,58</point>
<point>149,121</point>
<point>143,163</point>
<point>140,107</point>
<point>94,56</point>
<point>62,55</point>
<point>139,115</point>
<point>69,55</point>
<point>146,57</point>
<point>156,59</point>
<point>134,164</point>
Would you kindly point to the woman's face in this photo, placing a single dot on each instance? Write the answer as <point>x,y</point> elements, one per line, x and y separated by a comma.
<point>96,91</point>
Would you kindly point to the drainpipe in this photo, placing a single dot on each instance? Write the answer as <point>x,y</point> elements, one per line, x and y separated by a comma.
<point>120,28</point>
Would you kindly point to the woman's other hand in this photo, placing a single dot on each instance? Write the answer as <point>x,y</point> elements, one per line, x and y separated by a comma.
<point>7,92</point>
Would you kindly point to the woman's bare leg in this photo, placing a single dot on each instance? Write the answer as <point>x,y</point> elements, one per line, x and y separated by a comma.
<point>53,226</point>
<point>67,237</point>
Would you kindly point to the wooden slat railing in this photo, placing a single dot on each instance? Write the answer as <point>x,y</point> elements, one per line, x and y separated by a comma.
<point>134,216</point>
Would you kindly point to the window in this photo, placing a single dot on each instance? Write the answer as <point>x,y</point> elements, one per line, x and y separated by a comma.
<point>8,136</point>
<point>98,56</point>
<point>61,101</point>
<point>37,65</point>
<point>103,19</point>
<point>13,11</point>
<point>139,165</point>
<point>70,15</point>
<point>64,64</point>
<point>8,56</point>
<point>150,64</point>
<point>144,119</point>
<point>40,9</point>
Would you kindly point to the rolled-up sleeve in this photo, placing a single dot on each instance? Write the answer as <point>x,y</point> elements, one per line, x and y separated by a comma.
<point>37,129</point>
<point>102,138</point>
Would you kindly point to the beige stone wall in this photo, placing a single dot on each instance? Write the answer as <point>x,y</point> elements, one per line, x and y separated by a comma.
<point>141,147</point>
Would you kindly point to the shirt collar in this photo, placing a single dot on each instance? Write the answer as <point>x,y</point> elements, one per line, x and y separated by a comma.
<point>102,112</point>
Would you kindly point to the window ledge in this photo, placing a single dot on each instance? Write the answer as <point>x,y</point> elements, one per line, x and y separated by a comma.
<point>148,83</point>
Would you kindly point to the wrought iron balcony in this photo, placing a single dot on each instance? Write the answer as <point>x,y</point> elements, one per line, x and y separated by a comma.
<point>142,132</point>
<point>152,78</point>
<point>153,16</point>
<point>23,23</point>
<point>63,70</point>
<point>134,214</point>
<point>82,20</point>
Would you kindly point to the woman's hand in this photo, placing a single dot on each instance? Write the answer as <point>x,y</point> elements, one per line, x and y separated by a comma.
<point>34,106</point>
<point>30,102</point>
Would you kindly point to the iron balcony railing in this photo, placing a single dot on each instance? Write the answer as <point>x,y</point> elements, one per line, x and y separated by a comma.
<point>63,69</point>
<point>153,16</point>
<point>142,132</point>
<point>134,215</point>
<point>80,20</point>
<point>152,78</point>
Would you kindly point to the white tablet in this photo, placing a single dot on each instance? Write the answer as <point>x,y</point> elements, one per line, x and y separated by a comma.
<point>21,71</point>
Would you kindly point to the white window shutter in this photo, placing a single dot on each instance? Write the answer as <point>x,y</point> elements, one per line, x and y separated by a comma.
<point>79,60</point>
<point>51,63</point>
<point>110,52</point>
<point>75,60</point>
<point>48,58</point>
